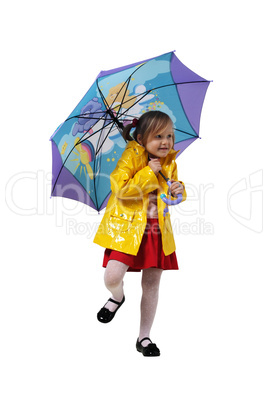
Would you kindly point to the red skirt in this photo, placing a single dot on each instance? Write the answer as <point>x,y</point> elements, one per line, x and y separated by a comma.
<point>150,254</point>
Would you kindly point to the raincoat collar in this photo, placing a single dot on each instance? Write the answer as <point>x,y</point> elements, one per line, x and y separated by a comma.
<point>136,147</point>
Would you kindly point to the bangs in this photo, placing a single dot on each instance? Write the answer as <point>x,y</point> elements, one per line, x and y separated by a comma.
<point>157,125</point>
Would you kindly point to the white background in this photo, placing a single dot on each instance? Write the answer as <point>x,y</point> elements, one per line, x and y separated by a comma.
<point>211,323</point>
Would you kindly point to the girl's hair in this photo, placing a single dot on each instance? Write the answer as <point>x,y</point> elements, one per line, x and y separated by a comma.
<point>150,122</point>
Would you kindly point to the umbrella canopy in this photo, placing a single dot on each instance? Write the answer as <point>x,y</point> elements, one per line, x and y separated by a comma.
<point>87,146</point>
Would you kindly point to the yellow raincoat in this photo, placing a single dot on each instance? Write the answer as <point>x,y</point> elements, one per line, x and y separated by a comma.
<point>125,218</point>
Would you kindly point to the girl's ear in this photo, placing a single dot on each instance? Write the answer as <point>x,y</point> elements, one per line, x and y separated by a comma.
<point>139,139</point>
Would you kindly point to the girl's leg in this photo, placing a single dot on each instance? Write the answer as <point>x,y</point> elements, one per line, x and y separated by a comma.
<point>113,279</point>
<point>150,287</point>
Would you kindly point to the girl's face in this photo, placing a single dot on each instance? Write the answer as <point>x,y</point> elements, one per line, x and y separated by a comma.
<point>159,145</point>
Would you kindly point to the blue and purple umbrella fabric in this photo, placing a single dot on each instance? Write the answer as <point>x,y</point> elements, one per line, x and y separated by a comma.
<point>87,146</point>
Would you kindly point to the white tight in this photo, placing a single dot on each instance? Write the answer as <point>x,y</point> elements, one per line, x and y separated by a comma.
<point>113,279</point>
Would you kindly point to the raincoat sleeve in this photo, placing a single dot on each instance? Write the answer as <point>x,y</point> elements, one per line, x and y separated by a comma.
<point>174,176</point>
<point>126,182</point>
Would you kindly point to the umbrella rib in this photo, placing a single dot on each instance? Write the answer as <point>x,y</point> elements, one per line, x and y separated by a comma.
<point>98,143</point>
<point>105,119</point>
<point>79,142</point>
<point>96,132</point>
<point>162,86</point>
<point>109,108</point>
<point>99,160</point>
<point>110,129</point>
<point>185,132</point>
<point>125,112</point>
<point>62,166</point>
<point>118,113</point>
<point>125,83</point>
<point>86,115</point>
<point>115,120</point>
<point>97,164</point>
<point>102,96</point>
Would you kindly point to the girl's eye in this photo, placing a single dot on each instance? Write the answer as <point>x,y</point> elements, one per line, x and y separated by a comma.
<point>160,136</point>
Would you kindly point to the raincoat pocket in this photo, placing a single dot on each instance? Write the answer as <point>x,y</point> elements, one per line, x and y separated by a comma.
<point>121,220</point>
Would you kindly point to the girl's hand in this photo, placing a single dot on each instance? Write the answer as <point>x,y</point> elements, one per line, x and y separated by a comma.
<point>176,187</point>
<point>155,165</point>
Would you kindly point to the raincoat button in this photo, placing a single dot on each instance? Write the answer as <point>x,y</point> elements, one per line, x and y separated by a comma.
<point>121,215</point>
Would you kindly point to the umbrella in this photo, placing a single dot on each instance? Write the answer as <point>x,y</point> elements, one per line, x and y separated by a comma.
<point>88,144</point>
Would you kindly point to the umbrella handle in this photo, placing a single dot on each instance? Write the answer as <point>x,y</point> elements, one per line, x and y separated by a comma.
<point>170,202</point>
<point>166,200</point>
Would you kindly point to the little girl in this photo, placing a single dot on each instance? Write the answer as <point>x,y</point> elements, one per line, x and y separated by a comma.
<point>134,231</point>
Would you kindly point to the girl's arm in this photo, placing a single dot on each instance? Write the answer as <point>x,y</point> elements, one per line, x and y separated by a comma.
<point>126,183</point>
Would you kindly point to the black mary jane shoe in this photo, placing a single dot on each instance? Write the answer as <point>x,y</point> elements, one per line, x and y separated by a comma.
<point>105,315</point>
<point>150,350</point>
